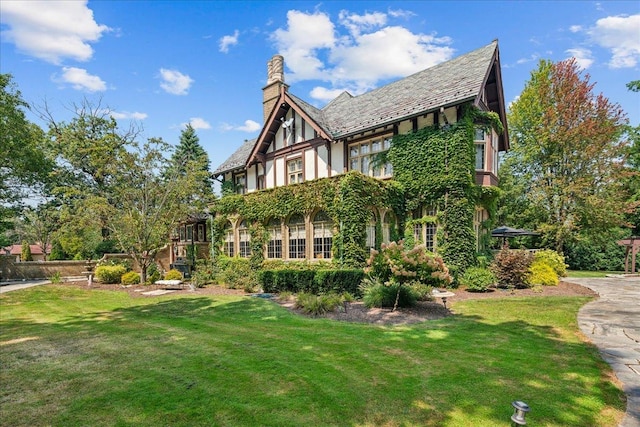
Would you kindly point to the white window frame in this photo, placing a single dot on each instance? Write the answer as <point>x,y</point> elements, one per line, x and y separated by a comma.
<point>295,176</point>
<point>361,156</point>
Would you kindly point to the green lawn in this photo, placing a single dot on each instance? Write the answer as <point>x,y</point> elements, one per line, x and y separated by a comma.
<point>75,357</point>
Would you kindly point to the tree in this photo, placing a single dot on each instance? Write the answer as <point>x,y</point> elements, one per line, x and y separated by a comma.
<point>23,166</point>
<point>190,150</point>
<point>146,202</point>
<point>633,165</point>
<point>25,254</point>
<point>566,154</point>
<point>39,225</point>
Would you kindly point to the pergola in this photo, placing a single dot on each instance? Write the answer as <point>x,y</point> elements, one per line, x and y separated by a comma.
<point>632,246</point>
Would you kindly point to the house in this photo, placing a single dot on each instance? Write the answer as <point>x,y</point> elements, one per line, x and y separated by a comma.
<point>15,251</point>
<point>300,143</point>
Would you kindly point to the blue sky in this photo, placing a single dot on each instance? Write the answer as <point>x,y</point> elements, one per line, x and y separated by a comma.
<point>168,63</point>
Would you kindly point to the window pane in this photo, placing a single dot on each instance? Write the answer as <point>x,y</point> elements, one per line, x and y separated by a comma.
<point>479,134</point>
<point>364,149</point>
<point>353,151</point>
<point>375,146</point>
<point>480,156</point>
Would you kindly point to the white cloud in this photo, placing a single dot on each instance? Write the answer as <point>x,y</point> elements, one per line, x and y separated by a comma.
<point>575,28</point>
<point>305,34</point>
<point>51,30</point>
<point>358,23</point>
<point>533,57</point>
<point>359,53</point>
<point>324,94</point>
<point>79,79</point>
<point>122,115</point>
<point>248,126</point>
<point>621,35</point>
<point>227,41</point>
<point>400,13</point>
<point>583,57</point>
<point>198,123</point>
<point>174,82</point>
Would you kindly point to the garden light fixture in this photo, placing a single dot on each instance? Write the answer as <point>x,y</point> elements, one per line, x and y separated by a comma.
<point>519,413</point>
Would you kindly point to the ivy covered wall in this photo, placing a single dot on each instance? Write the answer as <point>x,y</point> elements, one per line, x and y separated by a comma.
<point>434,166</point>
<point>347,199</point>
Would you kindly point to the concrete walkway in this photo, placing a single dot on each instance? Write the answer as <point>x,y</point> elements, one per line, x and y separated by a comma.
<point>612,323</point>
<point>14,286</point>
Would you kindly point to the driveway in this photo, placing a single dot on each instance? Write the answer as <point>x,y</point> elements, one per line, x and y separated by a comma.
<point>612,323</point>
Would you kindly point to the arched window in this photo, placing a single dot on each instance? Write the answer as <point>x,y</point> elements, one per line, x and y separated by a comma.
<point>371,231</point>
<point>229,248</point>
<point>322,236</point>
<point>274,247</point>
<point>245,240</point>
<point>297,237</point>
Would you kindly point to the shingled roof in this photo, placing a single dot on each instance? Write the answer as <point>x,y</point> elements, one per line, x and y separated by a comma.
<point>237,159</point>
<point>453,82</point>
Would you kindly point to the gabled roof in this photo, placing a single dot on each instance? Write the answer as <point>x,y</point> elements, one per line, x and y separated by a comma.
<point>459,80</point>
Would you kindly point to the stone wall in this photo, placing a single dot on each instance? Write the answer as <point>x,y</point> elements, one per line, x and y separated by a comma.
<point>11,270</point>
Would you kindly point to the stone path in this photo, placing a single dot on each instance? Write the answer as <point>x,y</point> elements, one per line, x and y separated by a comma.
<point>612,323</point>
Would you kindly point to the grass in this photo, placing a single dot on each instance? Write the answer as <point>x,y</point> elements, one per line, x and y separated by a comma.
<point>76,357</point>
<point>589,274</point>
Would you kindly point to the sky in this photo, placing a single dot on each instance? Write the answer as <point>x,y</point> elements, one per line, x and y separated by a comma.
<point>163,64</point>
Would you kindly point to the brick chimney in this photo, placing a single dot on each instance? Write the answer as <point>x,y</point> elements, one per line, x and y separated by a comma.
<point>275,83</point>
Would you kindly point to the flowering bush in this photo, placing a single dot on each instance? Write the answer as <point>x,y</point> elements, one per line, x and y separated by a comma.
<point>397,264</point>
<point>394,266</point>
<point>553,259</point>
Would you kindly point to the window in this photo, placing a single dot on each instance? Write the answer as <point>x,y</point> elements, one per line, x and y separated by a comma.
<point>322,236</point>
<point>362,156</point>
<point>480,156</point>
<point>389,221</point>
<point>297,237</point>
<point>201,236</point>
<point>479,135</point>
<point>425,232</point>
<point>371,231</point>
<point>229,248</point>
<point>294,170</point>
<point>245,240</point>
<point>274,247</point>
<point>189,233</point>
<point>183,235</point>
<point>240,182</point>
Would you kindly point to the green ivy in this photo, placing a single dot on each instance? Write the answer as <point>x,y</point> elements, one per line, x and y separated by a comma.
<point>436,166</point>
<point>344,198</point>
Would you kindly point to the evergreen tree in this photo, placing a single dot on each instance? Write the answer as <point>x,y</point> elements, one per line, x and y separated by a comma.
<point>26,252</point>
<point>189,151</point>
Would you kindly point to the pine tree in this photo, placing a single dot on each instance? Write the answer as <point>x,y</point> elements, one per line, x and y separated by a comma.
<point>189,153</point>
<point>26,252</point>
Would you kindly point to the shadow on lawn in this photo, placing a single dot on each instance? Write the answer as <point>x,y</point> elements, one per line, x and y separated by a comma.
<point>354,374</point>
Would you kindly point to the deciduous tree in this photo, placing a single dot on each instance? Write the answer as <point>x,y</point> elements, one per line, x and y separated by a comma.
<point>567,153</point>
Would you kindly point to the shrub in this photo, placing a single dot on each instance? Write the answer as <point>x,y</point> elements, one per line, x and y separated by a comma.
<point>55,278</point>
<point>110,273</point>
<point>597,251</point>
<point>236,273</point>
<point>173,274</point>
<point>478,279</point>
<point>540,273</point>
<point>553,259</point>
<point>204,273</point>
<point>318,304</point>
<point>394,266</point>
<point>130,278</point>
<point>378,294</point>
<point>310,280</point>
<point>511,267</point>
<point>422,291</point>
<point>153,273</point>
<point>395,263</point>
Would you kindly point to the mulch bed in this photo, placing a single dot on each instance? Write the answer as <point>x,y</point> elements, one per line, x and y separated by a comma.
<point>357,312</point>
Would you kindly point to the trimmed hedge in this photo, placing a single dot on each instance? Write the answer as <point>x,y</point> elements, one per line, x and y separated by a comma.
<point>311,281</point>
